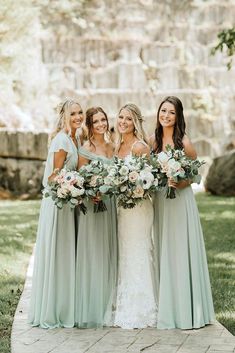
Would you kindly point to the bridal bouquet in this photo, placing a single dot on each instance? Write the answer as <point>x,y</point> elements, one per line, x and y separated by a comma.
<point>132,179</point>
<point>67,187</point>
<point>176,165</point>
<point>95,183</point>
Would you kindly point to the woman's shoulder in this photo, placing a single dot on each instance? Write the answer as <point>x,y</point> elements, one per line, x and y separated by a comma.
<point>140,147</point>
<point>152,142</point>
<point>60,136</point>
<point>60,141</point>
<point>188,147</point>
<point>88,146</point>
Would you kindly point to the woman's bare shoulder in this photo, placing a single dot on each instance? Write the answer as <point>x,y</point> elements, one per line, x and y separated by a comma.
<point>189,148</point>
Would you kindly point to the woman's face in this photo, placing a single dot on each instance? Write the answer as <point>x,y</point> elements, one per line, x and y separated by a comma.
<point>125,122</point>
<point>167,115</point>
<point>76,116</point>
<point>100,123</point>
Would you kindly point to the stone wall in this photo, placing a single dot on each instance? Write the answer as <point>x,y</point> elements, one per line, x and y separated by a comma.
<point>22,156</point>
<point>141,51</point>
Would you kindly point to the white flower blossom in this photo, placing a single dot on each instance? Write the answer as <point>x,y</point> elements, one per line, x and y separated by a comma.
<point>133,176</point>
<point>124,170</point>
<point>138,192</point>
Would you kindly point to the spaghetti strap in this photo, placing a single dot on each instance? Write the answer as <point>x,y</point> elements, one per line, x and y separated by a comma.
<point>138,141</point>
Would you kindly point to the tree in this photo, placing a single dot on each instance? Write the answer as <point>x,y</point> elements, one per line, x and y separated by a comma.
<point>226,42</point>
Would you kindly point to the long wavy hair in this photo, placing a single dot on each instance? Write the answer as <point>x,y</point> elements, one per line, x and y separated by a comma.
<point>137,118</point>
<point>179,128</point>
<point>89,123</point>
<point>63,121</point>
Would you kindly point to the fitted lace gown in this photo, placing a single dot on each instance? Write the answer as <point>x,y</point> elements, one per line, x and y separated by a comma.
<point>136,302</point>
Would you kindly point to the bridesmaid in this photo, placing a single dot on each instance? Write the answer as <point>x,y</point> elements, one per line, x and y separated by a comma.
<point>53,289</point>
<point>96,268</point>
<point>185,299</point>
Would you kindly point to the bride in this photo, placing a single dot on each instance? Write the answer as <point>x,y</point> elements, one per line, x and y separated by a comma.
<point>136,303</point>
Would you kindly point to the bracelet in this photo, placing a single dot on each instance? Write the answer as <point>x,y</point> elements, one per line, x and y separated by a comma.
<point>56,171</point>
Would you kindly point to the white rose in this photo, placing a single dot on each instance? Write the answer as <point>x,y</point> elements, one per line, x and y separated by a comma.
<point>124,170</point>
<point>75,192</point>
<point>163,157</point>
<point>111,171</point>
<point>174,165</point>
<point>61,193</point>
<point>138,192</point>
<point>81,191</point>
<point>79,181</point>
<point>93,181</point>
<point>133,176</point>
<point>108,180</point>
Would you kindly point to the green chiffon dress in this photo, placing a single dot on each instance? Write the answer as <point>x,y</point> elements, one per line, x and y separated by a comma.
<point>97,260</point>
<point>185,299</point>
<point>53,288</point>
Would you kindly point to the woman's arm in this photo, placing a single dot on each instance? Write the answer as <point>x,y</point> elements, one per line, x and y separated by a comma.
<point>189,148</point>
<point>59,159</point>
<point>82,161</point>
<point>152,142</point>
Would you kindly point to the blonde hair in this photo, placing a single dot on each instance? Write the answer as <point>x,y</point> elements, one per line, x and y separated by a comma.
<point>137,121</point>
<point>63,121</point>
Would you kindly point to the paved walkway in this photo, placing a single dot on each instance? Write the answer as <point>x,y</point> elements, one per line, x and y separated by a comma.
<point>211,339</point>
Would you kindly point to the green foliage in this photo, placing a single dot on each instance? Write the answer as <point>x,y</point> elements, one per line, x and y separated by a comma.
<point>226,42</point>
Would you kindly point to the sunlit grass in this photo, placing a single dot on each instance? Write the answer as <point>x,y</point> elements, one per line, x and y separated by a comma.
<point>18,222</point>
<point>218,222</point>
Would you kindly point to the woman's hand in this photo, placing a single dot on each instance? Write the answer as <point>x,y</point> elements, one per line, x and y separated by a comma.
<point>178,185</point>
<point>96,199</point>
<point>53,175</point>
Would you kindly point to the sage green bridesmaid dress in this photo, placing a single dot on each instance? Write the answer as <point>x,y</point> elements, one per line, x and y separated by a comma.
<point>53,287</point>
<point>185,299</point>
<point>97,259</point>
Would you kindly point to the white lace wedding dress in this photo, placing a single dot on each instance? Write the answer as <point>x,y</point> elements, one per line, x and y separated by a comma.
<point>136,303</point>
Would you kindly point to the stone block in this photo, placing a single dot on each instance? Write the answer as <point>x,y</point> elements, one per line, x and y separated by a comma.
<point>23,144</point>
<point>21,175</point>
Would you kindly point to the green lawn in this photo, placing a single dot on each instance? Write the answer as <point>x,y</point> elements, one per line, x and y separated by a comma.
<point>18,223</point>
<point>218,222</point>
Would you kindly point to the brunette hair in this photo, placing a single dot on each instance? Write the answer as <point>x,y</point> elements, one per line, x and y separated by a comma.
<point>89,122</point>
<point>179,128</point>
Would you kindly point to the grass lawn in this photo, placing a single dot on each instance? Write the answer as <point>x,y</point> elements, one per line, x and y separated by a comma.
<point>18,223</point>
<point>218,222</point>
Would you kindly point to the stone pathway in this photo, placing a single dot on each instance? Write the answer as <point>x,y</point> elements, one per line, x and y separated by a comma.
<point>25,339</point>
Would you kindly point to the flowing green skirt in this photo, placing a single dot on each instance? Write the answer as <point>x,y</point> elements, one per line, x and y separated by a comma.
<point>185,299</point>
<point>96,267</point>
<point>53,288</point>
